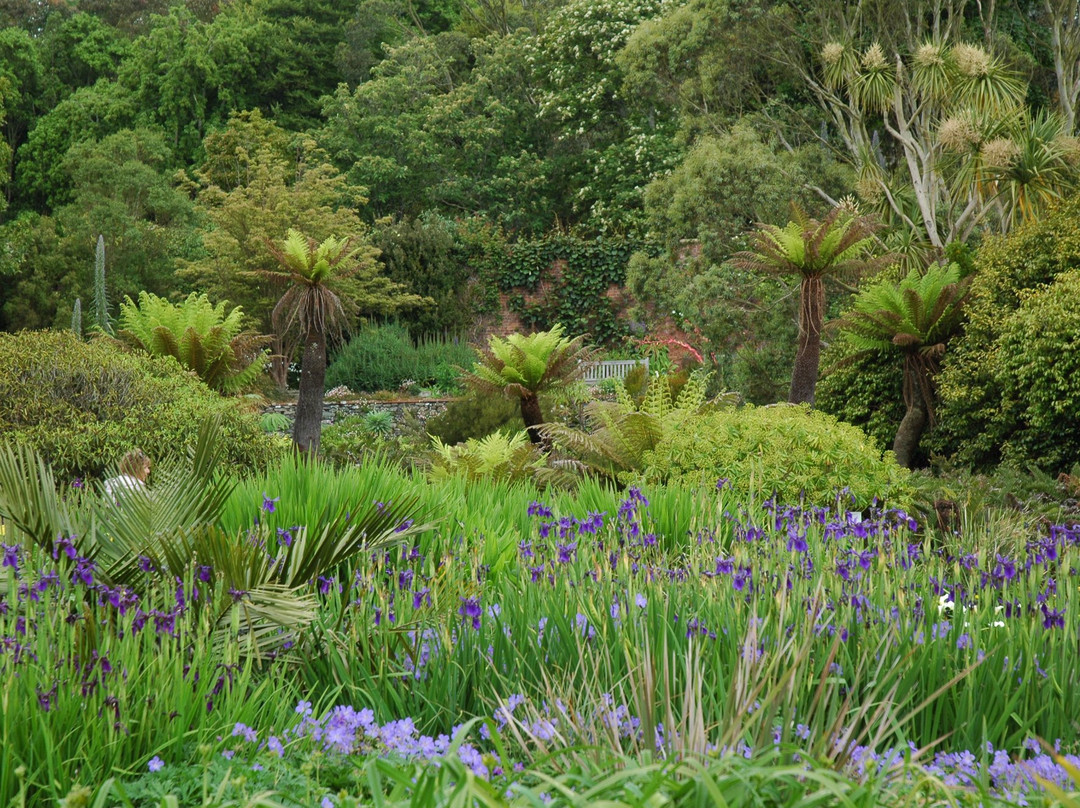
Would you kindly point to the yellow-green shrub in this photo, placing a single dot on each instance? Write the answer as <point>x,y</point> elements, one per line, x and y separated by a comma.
<point>84,404</point>
<point>791,450</point>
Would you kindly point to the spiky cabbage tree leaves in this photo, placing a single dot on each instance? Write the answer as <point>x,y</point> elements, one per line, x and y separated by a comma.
<point>522,366</point>
<point>913,318</point>
<point>812,250</point>
<point>943,103</point>
<point>199,335</point>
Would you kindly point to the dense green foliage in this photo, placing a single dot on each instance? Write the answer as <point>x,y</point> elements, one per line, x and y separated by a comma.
<point>586,162</point>
<point>475,415</point>
<point>1036,363</point>
<point>384,357</point>
<point>83,405</point>
<point>983,405</point>
<point>499,456</point>
<point>797,453</point>
<point>861,388</point>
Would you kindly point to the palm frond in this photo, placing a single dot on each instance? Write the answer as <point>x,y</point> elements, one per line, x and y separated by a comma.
<point>29,501</point>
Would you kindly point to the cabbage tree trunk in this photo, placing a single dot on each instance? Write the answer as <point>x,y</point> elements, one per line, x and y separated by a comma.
<point>307,429</point>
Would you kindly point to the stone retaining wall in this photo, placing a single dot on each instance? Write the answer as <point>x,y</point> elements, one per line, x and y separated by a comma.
<point>334,411</point>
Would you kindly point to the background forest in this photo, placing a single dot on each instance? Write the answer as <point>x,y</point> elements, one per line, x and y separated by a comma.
<point>473,142</point>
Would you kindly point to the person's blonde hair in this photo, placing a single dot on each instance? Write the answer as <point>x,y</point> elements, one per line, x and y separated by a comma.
<point>134,463</point>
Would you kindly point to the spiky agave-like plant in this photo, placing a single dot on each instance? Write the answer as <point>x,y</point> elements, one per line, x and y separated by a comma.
<point>522,366</point>
<point>101,299</point>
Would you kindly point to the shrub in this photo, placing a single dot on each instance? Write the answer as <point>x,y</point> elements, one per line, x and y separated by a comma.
<point>83,404</point>
<point>789,450</point>
<point>979,418</point>
<point>375,435</point>
<point>497,457</point>
<point>1037,364</point>
<point>862,389</point>
<point>381,357</point>
<point>475,416</point>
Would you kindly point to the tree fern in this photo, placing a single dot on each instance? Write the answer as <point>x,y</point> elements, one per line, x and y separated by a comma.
<point>912,318</point>
<point>521,366</point>
<point>199,335</point>
<point>619,434</point>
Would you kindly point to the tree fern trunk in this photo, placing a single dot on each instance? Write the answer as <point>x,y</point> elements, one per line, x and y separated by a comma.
<point>906,444</point>
<point>808,355</point>
<point>531,415</point>
<point>309,405</point>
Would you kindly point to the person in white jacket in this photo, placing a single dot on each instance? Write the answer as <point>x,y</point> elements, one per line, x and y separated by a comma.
<point>134,470</point>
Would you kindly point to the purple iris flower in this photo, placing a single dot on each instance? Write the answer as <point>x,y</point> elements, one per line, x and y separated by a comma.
<point>1053,618</point>
<point>796,541</point>
<point>725,566</point>
<point>539,509</point>
<point>11,556</point>
<point>269,504</point>
<point>1005,568</point>
<point>742,579</point>
<point>470,608</point>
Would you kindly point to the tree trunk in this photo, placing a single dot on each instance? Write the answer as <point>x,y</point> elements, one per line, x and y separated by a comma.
<point>906,444</point>
<point>531,415</point>
<point>808,355</point>
<point>307,428</point>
